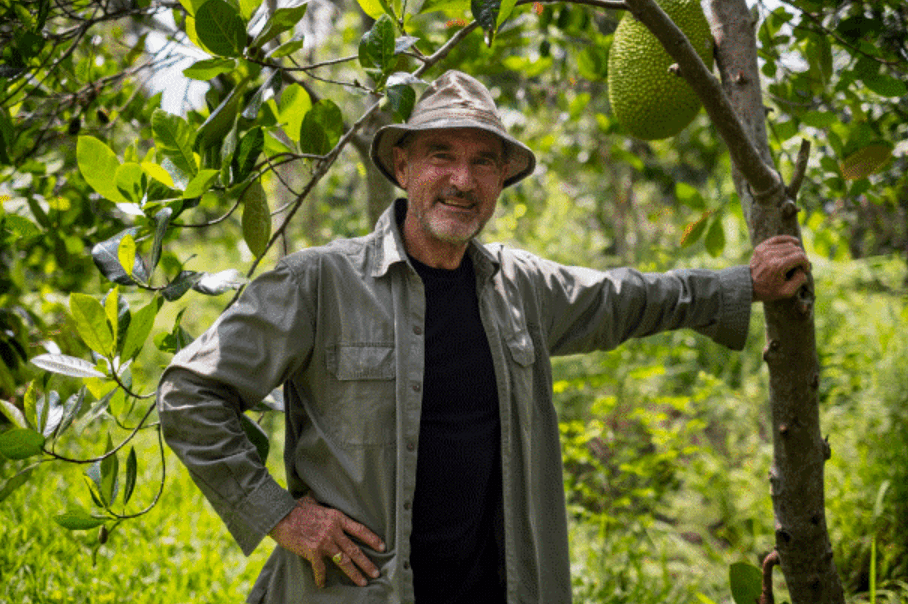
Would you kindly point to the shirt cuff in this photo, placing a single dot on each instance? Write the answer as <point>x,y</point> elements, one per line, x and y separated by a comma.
<point>734,314</point>
<point>258,513</point>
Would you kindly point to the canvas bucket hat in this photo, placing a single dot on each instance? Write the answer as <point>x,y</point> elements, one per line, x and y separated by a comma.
<point>454,100</point>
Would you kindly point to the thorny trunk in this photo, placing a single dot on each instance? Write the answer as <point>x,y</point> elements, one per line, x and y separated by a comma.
<point>799,451</point>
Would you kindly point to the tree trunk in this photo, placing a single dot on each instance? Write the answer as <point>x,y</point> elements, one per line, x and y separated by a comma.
<point>799,451</point>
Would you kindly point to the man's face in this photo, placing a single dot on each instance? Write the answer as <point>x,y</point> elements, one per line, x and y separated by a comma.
<point>453,178</point>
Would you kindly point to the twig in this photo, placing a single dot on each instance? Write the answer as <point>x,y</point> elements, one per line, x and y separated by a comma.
<point>769,562</point>
<point>800,168</point>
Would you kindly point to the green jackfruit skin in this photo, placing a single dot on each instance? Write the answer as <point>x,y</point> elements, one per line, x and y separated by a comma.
<point>650,102</point>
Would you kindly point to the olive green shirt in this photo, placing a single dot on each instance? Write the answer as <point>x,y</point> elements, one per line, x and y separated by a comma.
<point>341,327</point>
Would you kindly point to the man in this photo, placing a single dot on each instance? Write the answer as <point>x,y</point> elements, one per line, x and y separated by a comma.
<point>422,448</point>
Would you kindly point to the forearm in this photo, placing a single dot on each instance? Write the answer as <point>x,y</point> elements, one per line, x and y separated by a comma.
<point>200,422</point>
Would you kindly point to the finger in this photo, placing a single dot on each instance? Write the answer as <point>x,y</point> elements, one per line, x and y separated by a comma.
<point>318,571</point>
<point>358,557</point>
<point>345,563</point>
<point>354,528</point>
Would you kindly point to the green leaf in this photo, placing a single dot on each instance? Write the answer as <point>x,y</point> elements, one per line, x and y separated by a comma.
<point>20,226</point>
<point>221,28</point>
<point>66,365</point>
<point>30,404</point>
<point>111,310</point>
<point>91,323</point>
<point>376,48</point>
<point>174,137</point>
<point>71,409</point>
<point>130,178</point>
<point>132,466</point>
<point>267,90</point>
<point>746,582</point>
<point>162,221</point>
<point>819,119</point>
<point>694,230</point>
<point>486,14</point>
<point>207,69</point>
<point>375,8</point>
<point>256,218</point>
<point>256,435</point>
<point>179,286</point>
<point>77,519</point>
<point>283,19</point>
<point>21,443</point>
<point>715,238</point>
<point>107,259</point>
<point>53,413</point>
<point>321,128</point>
<point>221,120</point>
<point>885,86</point>
<point>139,329</point>
<point>401,98</point>
<point>15,481</point>
<point>287,48</point>
<point>110,468</point>
<point>200,184</point>
<point>98,165</point>
<point>247,154</point>
<point>293,107</point>
<point>158,173</point>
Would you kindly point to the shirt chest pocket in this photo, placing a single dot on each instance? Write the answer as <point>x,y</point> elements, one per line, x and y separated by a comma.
<point>361,393</point>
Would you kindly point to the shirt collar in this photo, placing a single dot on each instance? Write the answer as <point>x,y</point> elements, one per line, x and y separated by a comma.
<point>390,248</point>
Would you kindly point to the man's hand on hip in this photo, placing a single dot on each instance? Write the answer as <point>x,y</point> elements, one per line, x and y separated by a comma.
<point>778,268</point>
<point>316,532</point>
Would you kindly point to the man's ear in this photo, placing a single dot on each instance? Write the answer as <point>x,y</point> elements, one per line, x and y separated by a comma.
<point>400,166</point>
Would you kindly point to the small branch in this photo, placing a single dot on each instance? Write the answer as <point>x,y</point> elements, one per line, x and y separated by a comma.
<point>771,560</point>
<point>604,4</point>
<point>112,451</point>
<point>800,169</point>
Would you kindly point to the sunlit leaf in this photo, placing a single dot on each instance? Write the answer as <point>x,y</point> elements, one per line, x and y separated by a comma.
<point>66,365</point>
<point>98,165</point>
<point>126,253</point>
<point>293,107</point>
<point>376,48</point>
<point>139,329</point>
<point>694,230</point>
<point>13,414</point>
<point>375,8</point>
<point>287,48</point>
<point>215,284</point>
<point>91,322</point>
<point>30,405</point>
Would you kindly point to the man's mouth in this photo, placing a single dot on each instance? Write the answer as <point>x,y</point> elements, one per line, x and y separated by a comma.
<point>462,204</point>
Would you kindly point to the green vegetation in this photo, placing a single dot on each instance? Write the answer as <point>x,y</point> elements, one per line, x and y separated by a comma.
<point>648,99</point>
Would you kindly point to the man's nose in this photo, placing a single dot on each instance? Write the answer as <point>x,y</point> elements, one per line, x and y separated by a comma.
<point>462,176</point>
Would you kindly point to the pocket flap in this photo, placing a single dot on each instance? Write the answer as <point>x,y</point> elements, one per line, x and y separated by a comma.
<point>361,361</point>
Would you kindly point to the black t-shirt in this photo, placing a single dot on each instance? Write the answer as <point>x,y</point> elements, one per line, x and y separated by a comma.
<point>455,555</point>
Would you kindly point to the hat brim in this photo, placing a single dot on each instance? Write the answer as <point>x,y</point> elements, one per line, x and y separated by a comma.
<point>521,160</point>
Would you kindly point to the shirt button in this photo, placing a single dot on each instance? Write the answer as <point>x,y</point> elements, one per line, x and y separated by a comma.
<point>407,505</point>
<point>416,386</point>
<point>411,446</point>
<point>417,330</point>
<point>406,565</point>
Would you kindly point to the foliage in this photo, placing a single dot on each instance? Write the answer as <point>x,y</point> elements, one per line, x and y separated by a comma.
<point>127,216</point>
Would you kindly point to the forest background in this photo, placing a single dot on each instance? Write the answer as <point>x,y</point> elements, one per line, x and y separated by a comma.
<point>131,215</point>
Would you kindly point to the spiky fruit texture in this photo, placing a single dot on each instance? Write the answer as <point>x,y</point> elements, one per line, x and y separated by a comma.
<point>647,99</point>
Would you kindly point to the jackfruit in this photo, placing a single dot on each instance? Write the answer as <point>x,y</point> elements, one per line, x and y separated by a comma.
<point>647,99</point>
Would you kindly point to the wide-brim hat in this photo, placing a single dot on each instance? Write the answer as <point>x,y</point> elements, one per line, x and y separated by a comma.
<point>454,100</point>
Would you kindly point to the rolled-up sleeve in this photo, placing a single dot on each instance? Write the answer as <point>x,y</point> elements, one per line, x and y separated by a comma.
<point>250,350</point>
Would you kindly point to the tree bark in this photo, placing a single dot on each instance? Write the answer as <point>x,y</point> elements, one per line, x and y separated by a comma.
<point>799,451</point>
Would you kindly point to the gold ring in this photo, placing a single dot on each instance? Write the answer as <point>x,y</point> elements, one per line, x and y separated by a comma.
<point>338,557</point>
